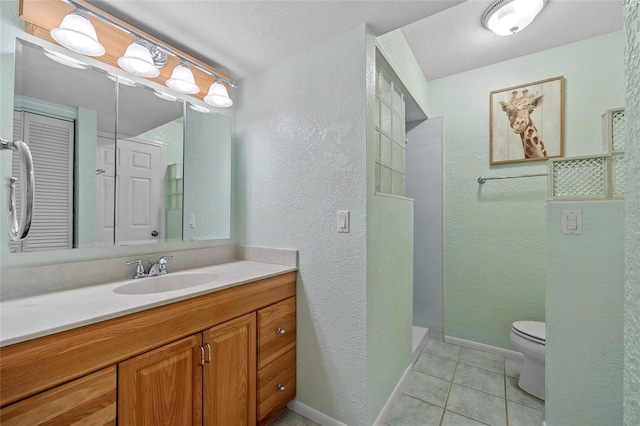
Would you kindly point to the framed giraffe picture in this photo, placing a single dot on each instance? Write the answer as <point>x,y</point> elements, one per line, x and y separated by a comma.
<point>527,122</point>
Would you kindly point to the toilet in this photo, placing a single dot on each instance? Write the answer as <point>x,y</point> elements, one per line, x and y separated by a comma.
<point>528,337</point>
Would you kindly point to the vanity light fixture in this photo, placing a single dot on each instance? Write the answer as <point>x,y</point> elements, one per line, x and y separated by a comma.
<point>218,96</point>
<point>182,80</point>
<point>165,96</point>
<point>76,33</point>
<point>64,59</point>
<point>507,17</point>
<point>199,108</point>
<point>144,57</point>
<point>138,61</point>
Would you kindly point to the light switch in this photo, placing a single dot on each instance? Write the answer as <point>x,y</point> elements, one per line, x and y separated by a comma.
<point>572,222</point>
<point>192,220</point>
<point>343,221</point>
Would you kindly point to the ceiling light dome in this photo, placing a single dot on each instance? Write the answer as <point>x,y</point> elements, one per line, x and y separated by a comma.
<point>77,33</point>
<point>506,17</point>
<point>182,80</point>
<point>218,96</point>
<point>137,60</point>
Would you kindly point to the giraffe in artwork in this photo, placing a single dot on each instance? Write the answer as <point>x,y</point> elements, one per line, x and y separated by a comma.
<point>519,111</point>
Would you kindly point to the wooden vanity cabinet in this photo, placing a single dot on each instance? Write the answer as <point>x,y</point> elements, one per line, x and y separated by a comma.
<point>89,400</point>
<point>210,376</point>
<point>220,359</point>
<point>276,358</point>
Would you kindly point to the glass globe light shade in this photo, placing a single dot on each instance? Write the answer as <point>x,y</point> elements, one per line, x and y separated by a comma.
<point>137,60</point>
<point>77,33</point>
<point>218,96</point>
<point>182,80</point>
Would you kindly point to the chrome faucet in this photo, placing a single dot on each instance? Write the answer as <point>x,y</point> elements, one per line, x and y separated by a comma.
<point>139,269</point>
<point>159,267</point>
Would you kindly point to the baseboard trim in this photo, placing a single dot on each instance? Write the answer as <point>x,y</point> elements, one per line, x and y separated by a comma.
<point>482,347</point>
<point>324,420</point>
<point>313,414</point>
<point>393,397</point>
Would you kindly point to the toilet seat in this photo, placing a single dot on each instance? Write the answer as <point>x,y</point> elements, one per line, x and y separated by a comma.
<point>533,331</point>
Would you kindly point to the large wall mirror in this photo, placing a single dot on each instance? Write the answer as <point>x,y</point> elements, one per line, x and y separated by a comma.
<point>116,162</point>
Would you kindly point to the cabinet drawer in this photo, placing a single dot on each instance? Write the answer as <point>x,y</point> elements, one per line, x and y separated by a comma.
<point>276,386</point>
<point>89,400</point>
<point>276,330</point>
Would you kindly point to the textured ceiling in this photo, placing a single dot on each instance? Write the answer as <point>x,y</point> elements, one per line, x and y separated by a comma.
<point>242,37</point>
<point>454,40</point>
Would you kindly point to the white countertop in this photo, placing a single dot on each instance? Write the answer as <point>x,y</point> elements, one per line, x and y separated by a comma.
<point>36,316</point>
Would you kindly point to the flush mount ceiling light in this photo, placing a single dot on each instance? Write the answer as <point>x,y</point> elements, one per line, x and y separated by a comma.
<point>182,80</point>
<point>138,61</point>
<point>506,17</point>
<point>218,96</point>
<point>64,59</point>
<point>77,33</point>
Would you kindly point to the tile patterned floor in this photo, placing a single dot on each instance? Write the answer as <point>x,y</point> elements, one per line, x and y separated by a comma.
<point>455,386</point>
<point>451,385</point>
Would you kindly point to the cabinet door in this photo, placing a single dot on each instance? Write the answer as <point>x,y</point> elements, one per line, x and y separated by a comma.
<point>163,386</point>
<point>89,400</point>
<point>230,373</point>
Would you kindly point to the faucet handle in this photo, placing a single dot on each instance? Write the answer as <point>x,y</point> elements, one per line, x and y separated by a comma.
<point>139,269</point>
<point>162,262</point>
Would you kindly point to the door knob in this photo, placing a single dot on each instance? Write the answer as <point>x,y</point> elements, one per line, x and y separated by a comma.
<point>154,233</point>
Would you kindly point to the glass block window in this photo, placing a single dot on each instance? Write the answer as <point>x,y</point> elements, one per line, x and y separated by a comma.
<point>617,130</point>
<point>579,178</point>
<point>390,135</point>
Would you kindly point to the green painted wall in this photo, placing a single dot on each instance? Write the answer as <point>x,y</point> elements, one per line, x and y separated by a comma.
<point>397,51</point>
<point>389,272</point>
<point>495,235</point>
<point>584,310</point>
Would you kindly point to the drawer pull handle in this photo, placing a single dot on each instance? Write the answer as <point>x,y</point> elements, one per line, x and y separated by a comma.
<point>281,387</point>
<point>281,330</point>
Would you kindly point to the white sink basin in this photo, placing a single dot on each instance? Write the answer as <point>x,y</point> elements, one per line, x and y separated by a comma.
<point>165,283</point>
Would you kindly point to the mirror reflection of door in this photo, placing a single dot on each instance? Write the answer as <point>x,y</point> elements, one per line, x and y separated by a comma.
<point>51,141</point>
<point>140,189</point>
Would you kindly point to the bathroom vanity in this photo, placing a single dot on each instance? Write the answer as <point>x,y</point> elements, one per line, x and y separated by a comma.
<point>215,356</point>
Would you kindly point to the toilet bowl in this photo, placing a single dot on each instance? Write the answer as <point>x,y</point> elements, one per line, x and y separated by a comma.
<point>528,338</point>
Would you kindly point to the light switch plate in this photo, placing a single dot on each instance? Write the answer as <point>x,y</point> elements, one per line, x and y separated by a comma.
<point>571,222</point>
<point>343,221</point>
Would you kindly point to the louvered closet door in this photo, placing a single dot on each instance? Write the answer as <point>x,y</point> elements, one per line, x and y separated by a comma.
<point>51,143</point>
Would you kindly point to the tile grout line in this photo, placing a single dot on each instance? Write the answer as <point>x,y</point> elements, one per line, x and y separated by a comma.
<point>504,381</point>
<point>446,401</point>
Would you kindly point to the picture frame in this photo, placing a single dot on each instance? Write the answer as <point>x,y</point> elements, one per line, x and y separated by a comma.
<point>527,122</point>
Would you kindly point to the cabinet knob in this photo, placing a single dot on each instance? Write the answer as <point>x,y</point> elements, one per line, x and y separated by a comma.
<point>281,330</point>
<point>281,387</point>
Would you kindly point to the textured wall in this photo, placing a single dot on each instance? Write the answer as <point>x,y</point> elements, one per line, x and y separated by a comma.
<point>632,238</point>
<point>389,272</point>
<point>585,295</point>
<point>495,238</point>
<point>401,57</point>
<point>301,157</point>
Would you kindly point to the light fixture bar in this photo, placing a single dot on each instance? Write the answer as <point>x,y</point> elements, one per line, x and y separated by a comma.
<point>155,43</point>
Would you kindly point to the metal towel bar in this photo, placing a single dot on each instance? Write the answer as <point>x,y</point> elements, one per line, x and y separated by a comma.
<point>18,231</point>
<point>483,179</point>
